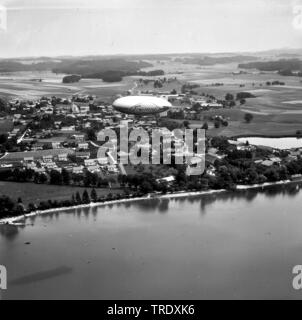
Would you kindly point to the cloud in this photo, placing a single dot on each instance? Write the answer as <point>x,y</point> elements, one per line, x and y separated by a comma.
<point>297,16</point>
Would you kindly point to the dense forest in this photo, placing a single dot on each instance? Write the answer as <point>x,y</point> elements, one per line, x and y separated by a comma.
<point>209,61</point>
<point>110,70</point>
<point>286,67</point>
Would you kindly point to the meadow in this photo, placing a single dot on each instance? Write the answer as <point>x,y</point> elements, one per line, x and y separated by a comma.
<point>35,193</point>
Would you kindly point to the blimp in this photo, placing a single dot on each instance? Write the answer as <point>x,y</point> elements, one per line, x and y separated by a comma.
<point>141,105</point>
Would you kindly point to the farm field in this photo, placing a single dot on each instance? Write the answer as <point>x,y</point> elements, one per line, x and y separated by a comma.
<point>277,110</point>
<point>27,85</point>
<point>5,126</point>
<point>35,193</point>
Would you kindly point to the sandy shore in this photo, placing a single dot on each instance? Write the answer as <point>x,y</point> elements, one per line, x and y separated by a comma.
<point>15,220</point>
<point>262,185</point>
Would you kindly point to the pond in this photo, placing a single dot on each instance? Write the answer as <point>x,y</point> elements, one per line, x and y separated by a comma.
<point>278,143</point>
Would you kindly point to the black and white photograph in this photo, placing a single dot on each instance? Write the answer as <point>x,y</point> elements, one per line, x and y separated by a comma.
<point>150,150</point>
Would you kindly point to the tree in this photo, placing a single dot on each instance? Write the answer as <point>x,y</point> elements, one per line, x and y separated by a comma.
<point>7,206</point>
<point>55,177</point>
<point>232,103</point>
<point>93,195</point>
<point>86,198</point>
<point>242,101</point>
<point>19,209</point>
<point>205,126</point>
<point>3,104</point>
<point>146,187</point>
<point>244,95</point>
<point>3,138</point>
<point>65,176</point>
<point>43,178</point>
<point>91,135</point>
<point>31,207</point>
<point>229,97</point>
<point>272,174</point>
<point>78,198</point>
<point>248,117</point>
<point>217,124</point>
<point>220,142</point>
<point>186,124</point>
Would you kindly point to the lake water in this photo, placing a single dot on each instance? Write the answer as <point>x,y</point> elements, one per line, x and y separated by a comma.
<point>279,143</point>
<point>231,245</point>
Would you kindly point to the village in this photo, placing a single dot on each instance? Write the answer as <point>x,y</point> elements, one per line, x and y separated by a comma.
<point>55,135</point>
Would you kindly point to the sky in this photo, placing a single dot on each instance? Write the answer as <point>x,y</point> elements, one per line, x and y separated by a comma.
<point>98,27</point>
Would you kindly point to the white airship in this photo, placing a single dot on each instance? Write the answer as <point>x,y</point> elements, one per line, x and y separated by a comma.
<point>141,105</point>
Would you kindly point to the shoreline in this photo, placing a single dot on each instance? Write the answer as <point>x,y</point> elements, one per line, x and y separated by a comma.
<point>269,136</point>
<point>14,220</point>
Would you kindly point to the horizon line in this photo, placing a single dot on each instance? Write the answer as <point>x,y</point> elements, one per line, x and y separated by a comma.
<point>146,54</point>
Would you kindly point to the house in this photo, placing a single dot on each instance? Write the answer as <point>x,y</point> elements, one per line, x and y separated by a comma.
<point>267,163</point>
<point>296,177</point>
<point>77,170</point>
<point>103,161</point>
<point>90,162</point>
<point>112,169</point>
<point>37,146</point>
<point>211,158</point>
<point>48,111</point>
<point>63,108</point>
<point>84,109</point>
<point>56,145</point>
<point>75,108</point>
<point>275,159</point>
<point>83,145</point>
<point>211,171</point>
<point>57,169</point>
<point>213,150</point>
<point>39,170</point>
<point>94,168</point>
<point>295,153</point>
<point>124,123</point>
<point>168,180</point>
<point>291,157</point>
<point>30,165</point>
<point>49,165</point>
<point>68,129</point>
<point>47,158</point>
<point>63,157</point>
<point>28,159</point>
<point>82,154</point>
<point>78,137</point>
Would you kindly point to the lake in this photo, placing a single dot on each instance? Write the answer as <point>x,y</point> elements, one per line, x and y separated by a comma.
<point>226,246</point>
<point>278,143</point>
